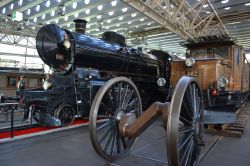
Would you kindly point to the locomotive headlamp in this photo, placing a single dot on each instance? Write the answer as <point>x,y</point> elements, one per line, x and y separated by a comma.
<point>47,85</point>
<point>66,42</point>
<point>161,82</point>
<point>222,82</point>
<point>189,62</point>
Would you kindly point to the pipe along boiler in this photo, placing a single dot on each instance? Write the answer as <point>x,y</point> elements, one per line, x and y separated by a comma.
<point>115,116</point>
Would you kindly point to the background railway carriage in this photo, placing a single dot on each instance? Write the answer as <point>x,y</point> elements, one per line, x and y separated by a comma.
<point>220,67</point>
<point>10,76</point>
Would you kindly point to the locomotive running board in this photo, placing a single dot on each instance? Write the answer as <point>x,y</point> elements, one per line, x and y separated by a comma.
<point>218,117</point>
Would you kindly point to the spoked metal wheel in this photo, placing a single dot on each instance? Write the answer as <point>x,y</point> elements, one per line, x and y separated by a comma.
<point>185,124</point>
<point>65,113</point>
<point>119,96</point>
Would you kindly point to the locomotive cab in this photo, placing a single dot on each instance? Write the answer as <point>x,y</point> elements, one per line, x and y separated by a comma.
<point>220,68</point>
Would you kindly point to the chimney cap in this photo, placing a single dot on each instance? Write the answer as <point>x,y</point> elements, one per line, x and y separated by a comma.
<point>80,21</point>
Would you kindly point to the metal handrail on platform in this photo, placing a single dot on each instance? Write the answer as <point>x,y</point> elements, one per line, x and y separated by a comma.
<point>12,107</point>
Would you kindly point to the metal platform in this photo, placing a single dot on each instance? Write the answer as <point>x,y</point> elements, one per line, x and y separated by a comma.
<point>72,147</point>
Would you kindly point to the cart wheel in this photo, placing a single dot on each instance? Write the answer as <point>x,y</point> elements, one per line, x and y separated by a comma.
<point>185,124</point>
<point>65,113</point>
<point>114,99</point>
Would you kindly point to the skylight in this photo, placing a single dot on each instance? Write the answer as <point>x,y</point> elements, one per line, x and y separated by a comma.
<point>87,11</point>
<point>206,5</point>
<point>227,8</point>
<point>20,2</point>
<point>43,17</point>
<point>35,19</point>
<point>74,5</point>
<point>120,18</point>
<point>111,13</point>
<point>86,2</point>
<point>100,7</point>
<point>76,15</point>
<point>224,1</point>
<point>142,19</point>
<point>124,9</point>
<point>52,13</point>
<point>47,3</point>
<point>108,21</point>
<point>99,16</point>
<point>11,6</point>
<point>3,10</point>
<point>133,15</point>
<point>113,3</point>
<point>247,4</point>
<point>37,8</point>
<point>66,18</point>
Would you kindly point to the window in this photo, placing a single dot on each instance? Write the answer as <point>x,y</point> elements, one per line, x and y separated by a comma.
<point>33,82</point>
<point>211,52</point>
<point>236,56</point>
<point>11,81</point>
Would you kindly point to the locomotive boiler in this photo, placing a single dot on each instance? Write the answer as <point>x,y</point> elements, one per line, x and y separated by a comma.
<point>130,81</point>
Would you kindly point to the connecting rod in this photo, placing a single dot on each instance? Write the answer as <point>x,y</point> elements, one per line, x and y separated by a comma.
<point>131,127</point>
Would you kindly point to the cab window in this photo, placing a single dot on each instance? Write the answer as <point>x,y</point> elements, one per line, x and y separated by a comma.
<point>236,57</point>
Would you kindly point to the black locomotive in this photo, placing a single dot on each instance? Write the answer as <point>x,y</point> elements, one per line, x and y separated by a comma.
<point>83,64</point>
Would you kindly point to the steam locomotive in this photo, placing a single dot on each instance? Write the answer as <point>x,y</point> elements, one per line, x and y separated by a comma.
<point>83,64</point>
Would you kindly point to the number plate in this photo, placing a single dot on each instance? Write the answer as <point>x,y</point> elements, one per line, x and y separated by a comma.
<point>192,73</point>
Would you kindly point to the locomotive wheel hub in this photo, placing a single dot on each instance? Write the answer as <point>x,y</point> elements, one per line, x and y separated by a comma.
<point>119,115</point>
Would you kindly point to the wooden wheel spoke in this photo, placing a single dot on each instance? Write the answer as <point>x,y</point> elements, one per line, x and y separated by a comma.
<point>130,93</point>
<point>183,119</point>
<point>124,143</point>
<point>187,139</point>
<point>104,125</point>
<point>105,135</point>
<point>185,130</point>
<point>125,93</point>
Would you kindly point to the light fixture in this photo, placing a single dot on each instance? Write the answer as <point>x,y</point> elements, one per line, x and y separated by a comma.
<point>227,8</point>
<point>52,13</point>
<point>68,25</point>
<point>224,1</point>
<point>137,26</point>
<point>87,11</point>
<point>37,8</point>
<point>20,2</point>
<point>172,6</point>
<point>108,21</point>
<point>35,19</point>
<point>59,1</point>
<point>247,4</point>
<point>76,15</point>
<point>11,6</point>
<point>133,15</point>
<point>120,18</point>
<point>113,3</point>
<point>56,21</point>
<point>43,16</point>
<point>111,13</point>
<point>208,12</point>
<point>149,23</point>
<point>74,5</point>
<point>206,5</point>
<point>129,22</point>
<point>100,7</point>
<point>4,10</point>
<point>63,8</point>
<point>66,18</point>
<point>142,19</point>
<point>124,9</point>
<point>99,16</point>
<point>118,25</point>
<point>48,3</point>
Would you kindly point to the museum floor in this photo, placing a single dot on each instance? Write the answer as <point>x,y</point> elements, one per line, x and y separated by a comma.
<point>73,148</point>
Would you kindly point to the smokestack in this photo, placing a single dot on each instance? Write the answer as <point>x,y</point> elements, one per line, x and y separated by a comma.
<point>80,25</point>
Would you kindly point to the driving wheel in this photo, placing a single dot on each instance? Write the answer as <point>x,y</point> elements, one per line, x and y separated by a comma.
<point>185,124</point>
<point>119,96</point>
<point>65,113</point>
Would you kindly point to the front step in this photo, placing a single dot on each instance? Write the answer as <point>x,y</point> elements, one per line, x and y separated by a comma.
<point>235,129</point>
